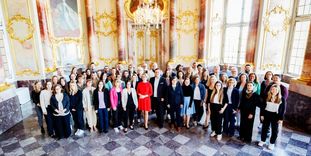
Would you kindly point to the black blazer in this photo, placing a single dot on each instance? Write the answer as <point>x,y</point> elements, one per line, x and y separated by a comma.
<point>235,97</point>
<point>106,99</point>
<point>175,97</point>
<point>161,87</point>
<point>66,103</point>
<point>248,105</point>
<point>76,101</point>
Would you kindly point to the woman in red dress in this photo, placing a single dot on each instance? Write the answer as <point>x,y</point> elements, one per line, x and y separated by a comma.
<point>144,91</point>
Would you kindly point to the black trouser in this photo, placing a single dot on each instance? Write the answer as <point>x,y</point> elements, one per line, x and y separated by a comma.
<point>272,119</point>
<point>78,119</point>
<point>117,116</point>
<point>229,120</point>
<point>62,126</point>
<point>246,126</point>
<point>129,114</point>
<point>49,121</point>
<point>216,118</point>
<point>103,119</point>
<point>198,110</point>
<point>160,110</point>
<point>175,116</point>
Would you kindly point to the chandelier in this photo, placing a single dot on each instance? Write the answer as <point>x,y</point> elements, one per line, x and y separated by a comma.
<point>148,14</point>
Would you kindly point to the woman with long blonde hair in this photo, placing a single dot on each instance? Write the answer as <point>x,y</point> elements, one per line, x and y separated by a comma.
<point>218,104</point>
<point>271,114</point>
<point>88,105</point>
<point>76,107</point>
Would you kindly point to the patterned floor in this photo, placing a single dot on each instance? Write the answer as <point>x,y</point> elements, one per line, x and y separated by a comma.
<point>25,139</point>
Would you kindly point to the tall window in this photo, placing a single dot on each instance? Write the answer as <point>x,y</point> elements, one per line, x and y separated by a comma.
<point>236,26</point>
<point>299,36</point>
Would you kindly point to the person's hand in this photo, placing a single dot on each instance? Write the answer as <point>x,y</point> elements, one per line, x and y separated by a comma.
<point>57,111</point>
<point>162,99</point>
<point>38,104</point>
<point>237,111</point>
<point>280,122</point>
<point>114,109</point>
<point>234,112</point>
<point>181,106</point>
<point>262,118</point>
<point>85,109</point>
<point>74,110</point>
<point>250,116</point>
<point>108,109</point>
<point>96,111</point>
<point>168,106</point>
<point>45,113</point>
<point>221,111</point>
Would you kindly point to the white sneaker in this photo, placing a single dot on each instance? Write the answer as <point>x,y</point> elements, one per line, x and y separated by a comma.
<point>213,134</point>
<point>271,146</point>
<point>116,130</point>
<point>219,137</point>
<point>261,143</point>
<point>77,132</point>
<point>81,132</point>
<point>121,128</point>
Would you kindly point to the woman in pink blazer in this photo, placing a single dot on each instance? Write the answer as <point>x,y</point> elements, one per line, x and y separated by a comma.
<point>116,105</point>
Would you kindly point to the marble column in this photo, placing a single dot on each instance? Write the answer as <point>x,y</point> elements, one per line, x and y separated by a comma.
<point>121,31</point>
<point>92,43</point>
<point>49,61</point>
<point>202,31</point>
<point>253,29</point>
<point>306,69</point>
<point>173,31</point>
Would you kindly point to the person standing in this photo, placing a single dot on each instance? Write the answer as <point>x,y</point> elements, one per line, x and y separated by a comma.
<point>188,106</point>
<point>144,91</point>
<point>116,106</point>
<point>218,104</point>
<point>101,104</point>
<point>76,107</point>
<point>157,99</point>
<point>247,107</point>
<point>198,98</point>
<point>35,97</point>
<point>88,105</point>
<point>129,104</point>
<point>272,114</point>
<point>45,99</point>
<point>231,110</point>
<point>60,105</point>
<point>175,101</point>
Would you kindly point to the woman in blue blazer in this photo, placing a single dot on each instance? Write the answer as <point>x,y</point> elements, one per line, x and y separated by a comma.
<point>175,98</point>
<point>60,105</point>
<point>231,110</point>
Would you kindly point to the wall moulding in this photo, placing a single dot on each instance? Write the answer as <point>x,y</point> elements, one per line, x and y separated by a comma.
<point>19,19</point>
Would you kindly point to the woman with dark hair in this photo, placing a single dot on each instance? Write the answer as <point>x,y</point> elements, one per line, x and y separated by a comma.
<point>218,104</point>
<point>198,98</point>
<point>102,104</point>
<point>107,82</point>
<point>272,114</point>
<point>253,78</point>
<point>76,108</point>
<point>265,83</point>
<point>241,86</point>
<point>125,76</point>
<point>247,107</point>
<point>116,106</point>
<point>175,102</point>
<point>45,100</point>
<point>54,80</point>
<point>80,82</point>
<point>180,77</point>
<point>35,97</point>
<point>60,105</point>
<point>188,106</point>
<point>179,68</point>
<point>63,84</point>
<point>129,104</point>
<point>88,74</point>
<point>205,77</point>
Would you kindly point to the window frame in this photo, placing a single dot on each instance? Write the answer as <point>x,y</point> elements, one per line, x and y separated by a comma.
<point>295,20</point>
<point>240,25</point>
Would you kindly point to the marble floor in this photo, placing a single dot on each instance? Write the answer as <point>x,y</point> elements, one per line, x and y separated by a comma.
<point>26,139</point>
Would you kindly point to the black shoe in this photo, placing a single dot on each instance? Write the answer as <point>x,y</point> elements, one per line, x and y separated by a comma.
<point>42,130</point>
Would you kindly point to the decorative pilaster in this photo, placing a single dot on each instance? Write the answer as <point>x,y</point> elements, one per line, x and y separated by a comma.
<point>92,43</point>
<point>252,35</point>
<point>202,31</point>
<point>173,31</point>
<point>121,31</point>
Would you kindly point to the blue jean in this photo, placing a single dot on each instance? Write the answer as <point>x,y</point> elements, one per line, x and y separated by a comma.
<point>39,115</point>
<point>49,121</point>
<point>103,119</point>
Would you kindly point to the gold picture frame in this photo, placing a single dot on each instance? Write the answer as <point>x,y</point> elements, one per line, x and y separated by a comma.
<point>18,18</point>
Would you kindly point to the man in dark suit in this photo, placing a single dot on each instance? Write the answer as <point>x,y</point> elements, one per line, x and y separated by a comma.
<point>159,86</point>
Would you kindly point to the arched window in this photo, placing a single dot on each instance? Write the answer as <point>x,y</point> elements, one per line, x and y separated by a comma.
<point>299,36</point>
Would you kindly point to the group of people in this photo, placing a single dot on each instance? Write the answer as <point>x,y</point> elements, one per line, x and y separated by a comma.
<point>186,96</point>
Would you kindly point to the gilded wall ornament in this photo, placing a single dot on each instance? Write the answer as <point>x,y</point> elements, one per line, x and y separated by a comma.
<point>106,24</point>
<point>277,20</point>
<point>19,19</point>
<point>187,21</point>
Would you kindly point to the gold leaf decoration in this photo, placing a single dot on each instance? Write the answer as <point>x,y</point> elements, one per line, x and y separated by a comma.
<point>106,24</point>
<point>20,19</point>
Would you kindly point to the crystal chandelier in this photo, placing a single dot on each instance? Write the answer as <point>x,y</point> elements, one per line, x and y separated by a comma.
<point>148,14</point>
